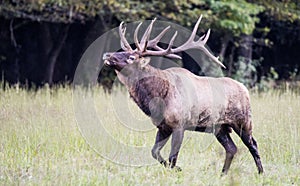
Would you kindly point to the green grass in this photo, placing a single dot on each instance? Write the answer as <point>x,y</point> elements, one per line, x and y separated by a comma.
<point>40,144</point>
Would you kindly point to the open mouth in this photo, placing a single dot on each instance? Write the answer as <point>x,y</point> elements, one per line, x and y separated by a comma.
<point>110,62</point>
<point>107,59</point>
<point>106,62</point>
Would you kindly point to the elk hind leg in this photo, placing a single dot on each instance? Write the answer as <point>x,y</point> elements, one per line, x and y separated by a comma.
<point>230,148</point>
<point>250,142</point>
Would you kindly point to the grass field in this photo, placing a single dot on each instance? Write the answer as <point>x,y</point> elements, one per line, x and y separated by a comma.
<point>41,144</point>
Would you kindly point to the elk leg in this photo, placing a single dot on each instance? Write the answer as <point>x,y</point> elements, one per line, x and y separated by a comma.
<point>162,137</point>
<point>250,142</point>
<point>177,137</point>
<point>230,148</point>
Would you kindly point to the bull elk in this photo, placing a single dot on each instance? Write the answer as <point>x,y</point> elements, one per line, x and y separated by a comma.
<point>177,100</point>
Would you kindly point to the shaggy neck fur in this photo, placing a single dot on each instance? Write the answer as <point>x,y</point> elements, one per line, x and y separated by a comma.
<point>147,86</point>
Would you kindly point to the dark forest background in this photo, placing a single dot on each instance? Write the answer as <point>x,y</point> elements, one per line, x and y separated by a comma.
<point>42,41</point>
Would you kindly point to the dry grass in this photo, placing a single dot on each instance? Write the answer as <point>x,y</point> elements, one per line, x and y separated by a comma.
<point>41,144</point>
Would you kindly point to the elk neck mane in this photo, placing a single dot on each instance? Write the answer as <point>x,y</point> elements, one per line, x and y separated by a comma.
<point>150,83</point>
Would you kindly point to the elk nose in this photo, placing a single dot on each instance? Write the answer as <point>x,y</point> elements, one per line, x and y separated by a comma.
<point>107,55</point>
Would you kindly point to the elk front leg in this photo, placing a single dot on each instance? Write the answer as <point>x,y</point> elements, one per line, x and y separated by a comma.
<point>177,137</point>
<point>162,136</point>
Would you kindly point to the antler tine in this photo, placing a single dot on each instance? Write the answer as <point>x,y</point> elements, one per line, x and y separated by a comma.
<point>191,39</point>
<point>146,36</point>
<point>215,59</point>
<point>203,39</point>
<point>121,41</point>
<point>145,43</point>
<point>124,43</point>
<point>163,52</point>
<point>135,36</point>
<point>123,46</point>
<point>200,44</point>
<point>153,43</point>
<point>175,56</point>
<point>193,35</point>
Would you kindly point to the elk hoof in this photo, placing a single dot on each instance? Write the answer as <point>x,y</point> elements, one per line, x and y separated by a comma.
<point>177,169</point>
<point>164,163</point>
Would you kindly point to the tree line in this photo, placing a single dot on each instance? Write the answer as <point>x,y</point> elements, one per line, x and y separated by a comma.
<point>42,40</point>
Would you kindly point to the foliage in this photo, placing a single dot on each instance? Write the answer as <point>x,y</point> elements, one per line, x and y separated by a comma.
<point>59,11</point>
<point>268,81</point>
<point>287,10</point>
<point>271,22</point>
<point>235,17</point>
<point>246,72</point>
<point>293,74</point>
<point>281,17</point>
<point>232,16</point>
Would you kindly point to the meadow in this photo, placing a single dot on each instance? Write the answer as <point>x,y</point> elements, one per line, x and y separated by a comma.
<point>41,143</point>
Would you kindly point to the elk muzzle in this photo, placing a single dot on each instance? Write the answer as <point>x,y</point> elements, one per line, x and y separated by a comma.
<point>114,60</point>
<point>106,57</point>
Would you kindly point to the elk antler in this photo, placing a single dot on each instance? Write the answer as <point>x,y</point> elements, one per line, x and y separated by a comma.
<point>124,43</point>
<point>142,47</point>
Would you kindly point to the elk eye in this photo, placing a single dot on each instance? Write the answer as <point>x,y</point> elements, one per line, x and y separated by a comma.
<point>132,58</point>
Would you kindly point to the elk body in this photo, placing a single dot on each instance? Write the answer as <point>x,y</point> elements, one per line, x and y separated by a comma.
<point>177,100</point>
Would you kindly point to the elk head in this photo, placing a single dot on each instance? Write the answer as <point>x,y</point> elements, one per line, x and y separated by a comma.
<point>146,47</point>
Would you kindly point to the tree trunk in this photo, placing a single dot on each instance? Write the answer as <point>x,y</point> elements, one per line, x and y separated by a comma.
<point>225,42</point>
<point>230,62</point>
<point>9,54</point>
<point>245,56</point>
<point>245,49</point>
<point>53,52</point>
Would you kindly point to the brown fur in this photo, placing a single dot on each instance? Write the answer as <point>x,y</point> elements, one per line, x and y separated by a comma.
<point>146,90</point>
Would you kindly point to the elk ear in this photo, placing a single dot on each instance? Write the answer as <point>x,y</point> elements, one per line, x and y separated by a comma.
<point>145,61</point>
